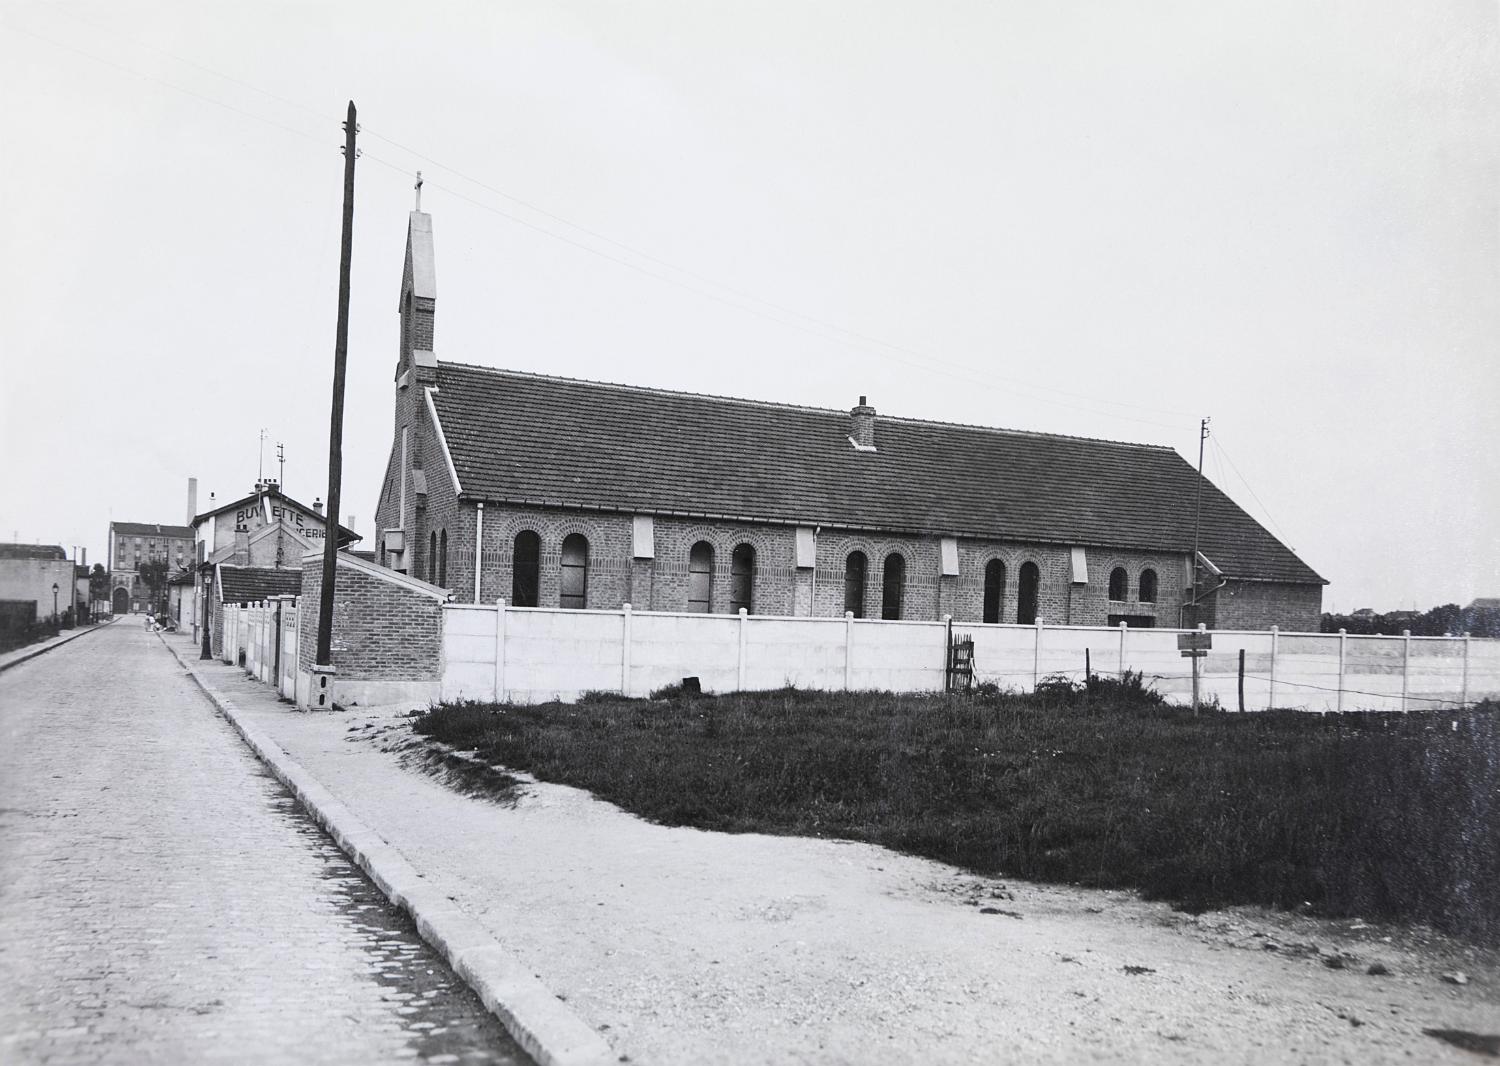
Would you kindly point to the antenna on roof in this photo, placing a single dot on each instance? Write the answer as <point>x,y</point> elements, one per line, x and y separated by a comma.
<point>280,464</point>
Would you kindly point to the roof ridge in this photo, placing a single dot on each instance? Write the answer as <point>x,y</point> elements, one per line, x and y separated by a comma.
<point>657,390</point>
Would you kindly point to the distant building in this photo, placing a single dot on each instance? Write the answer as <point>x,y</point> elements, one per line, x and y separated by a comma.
<point>36,582</point>
<point>252,548</point>
<point>134,543</point>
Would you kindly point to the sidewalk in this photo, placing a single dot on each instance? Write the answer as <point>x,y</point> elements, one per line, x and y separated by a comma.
<point>31,651</point>
<point>687,947</point>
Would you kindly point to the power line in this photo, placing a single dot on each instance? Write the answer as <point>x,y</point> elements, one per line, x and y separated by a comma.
<point>861,337</point>
<point>168,84</point>
<point>1244,481</point>
<point>846,337</point>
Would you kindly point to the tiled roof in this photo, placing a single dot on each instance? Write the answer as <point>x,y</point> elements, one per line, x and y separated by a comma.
<point>32,551</point>
<point>246,584</point>
<point>561,442</point>
<point>151,529</point>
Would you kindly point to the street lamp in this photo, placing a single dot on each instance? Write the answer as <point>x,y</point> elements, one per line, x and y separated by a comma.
<point>208,651</point>
<point>54,601</point>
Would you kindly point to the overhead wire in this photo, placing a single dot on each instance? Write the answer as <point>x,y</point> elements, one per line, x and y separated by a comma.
<point>856,335</point>
<point>847,337</point>
<point>1219,449</point>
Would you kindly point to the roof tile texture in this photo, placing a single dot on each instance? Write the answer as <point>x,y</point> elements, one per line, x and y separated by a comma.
<point>246,584</point>
<point>555,441</point>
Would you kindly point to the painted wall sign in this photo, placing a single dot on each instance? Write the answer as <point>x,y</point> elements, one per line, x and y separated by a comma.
<point>252,517</point>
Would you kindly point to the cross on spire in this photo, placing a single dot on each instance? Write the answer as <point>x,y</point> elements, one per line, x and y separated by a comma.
<point>418,187</point>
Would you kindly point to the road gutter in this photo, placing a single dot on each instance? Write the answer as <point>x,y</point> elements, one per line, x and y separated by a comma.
<point>26,654</point>
<point>549,1030</point>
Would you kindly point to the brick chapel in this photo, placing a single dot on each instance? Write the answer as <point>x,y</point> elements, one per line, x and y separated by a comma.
<point>554,492</point>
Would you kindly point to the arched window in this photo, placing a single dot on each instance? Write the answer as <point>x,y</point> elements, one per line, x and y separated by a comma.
<point>894,585</point>
<point>701,577</point>
<point>1148,586</point>
<point>854,583</point>
<point>575,572</point>
<point>742,579</point>
<point>1119,582</point>
<point>1027,593</point>
<point>442,578</point>
<point>994,589</point>
<point>432,557</point>
<point>526,569</point>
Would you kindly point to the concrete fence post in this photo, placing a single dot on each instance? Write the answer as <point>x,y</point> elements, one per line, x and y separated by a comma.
<point>848,650</point>
<point>947,649</point>
<point>1036,654</point>
<point>1343,642</point>
<point>1464,696</point>
<point>1123,628</point>
<point>744,628</point>
<point>1271,689</point>
<point>500,650</point>
<point>625,638</point>
<point>1405,665</point>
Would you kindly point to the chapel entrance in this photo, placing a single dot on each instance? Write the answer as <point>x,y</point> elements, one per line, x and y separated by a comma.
<point>121,600</point>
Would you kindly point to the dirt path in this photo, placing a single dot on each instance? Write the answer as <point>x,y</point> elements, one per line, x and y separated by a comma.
<point>687,947</point>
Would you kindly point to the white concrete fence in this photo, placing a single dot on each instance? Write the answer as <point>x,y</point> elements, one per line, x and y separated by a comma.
<point>262,637</point>
<point>530,654</point>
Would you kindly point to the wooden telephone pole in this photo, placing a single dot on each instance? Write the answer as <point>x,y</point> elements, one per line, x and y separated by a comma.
<point>336,420</point>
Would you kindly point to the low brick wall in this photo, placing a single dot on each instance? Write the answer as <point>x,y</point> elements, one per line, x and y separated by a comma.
<point>387,634</point>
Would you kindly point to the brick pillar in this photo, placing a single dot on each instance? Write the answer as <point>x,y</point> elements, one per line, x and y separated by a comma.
<point>802,593</point>
<point>642,591</point>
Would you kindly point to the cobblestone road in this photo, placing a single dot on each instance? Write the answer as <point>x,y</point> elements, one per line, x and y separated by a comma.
<point>163,899</point>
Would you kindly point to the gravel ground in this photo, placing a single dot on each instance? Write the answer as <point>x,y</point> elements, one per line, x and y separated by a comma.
<point>688,947</point>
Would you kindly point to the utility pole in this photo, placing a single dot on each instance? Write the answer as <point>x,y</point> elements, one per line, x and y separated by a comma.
<point>336,418</point>
<point>1198,514</point>
<point>1197,522</point>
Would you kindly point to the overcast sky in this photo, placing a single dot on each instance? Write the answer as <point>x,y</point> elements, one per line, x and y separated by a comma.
<point>1103,219</point>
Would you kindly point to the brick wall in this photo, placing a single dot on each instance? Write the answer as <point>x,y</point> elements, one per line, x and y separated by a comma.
<point>385,627</point>
<point>610,572</point>
<point>779,586</point>
<point>1262,604</point>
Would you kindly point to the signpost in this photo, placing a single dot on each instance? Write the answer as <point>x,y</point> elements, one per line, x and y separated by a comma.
<point>1195,646</point>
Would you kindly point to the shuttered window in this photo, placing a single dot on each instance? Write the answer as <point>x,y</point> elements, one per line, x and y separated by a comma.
<point>742,579</point>
<point>526,559</point>
<point>994,589</point>
<point>575,572</point>
<point>701,577</point>
<point>855,569</point>
<point>894,587</point>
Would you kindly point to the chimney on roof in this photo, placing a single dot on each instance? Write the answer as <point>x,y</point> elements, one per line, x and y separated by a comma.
<point>862,425</point>
<point>192,499</point>
<point>318,505</point>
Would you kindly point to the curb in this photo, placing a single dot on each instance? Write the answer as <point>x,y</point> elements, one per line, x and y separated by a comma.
<point>55,643</point>
<point>549,1030</point>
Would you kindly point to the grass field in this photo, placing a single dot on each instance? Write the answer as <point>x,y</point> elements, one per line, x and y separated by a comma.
<point>1385,817</point>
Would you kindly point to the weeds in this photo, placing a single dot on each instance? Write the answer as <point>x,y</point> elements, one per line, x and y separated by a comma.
<point>1381,816</point>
